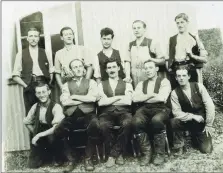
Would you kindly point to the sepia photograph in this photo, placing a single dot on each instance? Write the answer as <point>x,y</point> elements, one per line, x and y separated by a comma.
<point>112,86</point>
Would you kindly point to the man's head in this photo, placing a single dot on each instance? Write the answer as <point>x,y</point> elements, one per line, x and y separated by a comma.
<point>77,67</point>
<point>67,35</point>
<point>42,92</point>
<point>182,75</point>
<point>33,36</point>
<point>107,36</point>
<point>151,69</point>
<point>112,67</point>
<point>182,22</point>
<point>139,28</point>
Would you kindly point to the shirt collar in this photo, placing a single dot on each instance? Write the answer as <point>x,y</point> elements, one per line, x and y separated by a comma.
<point>69,47</point>
<point>75,79</point>
<point>115,80</point>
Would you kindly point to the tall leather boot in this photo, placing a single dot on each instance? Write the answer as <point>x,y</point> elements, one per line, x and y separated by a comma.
<point>145,147</point>
<point>159,148</point>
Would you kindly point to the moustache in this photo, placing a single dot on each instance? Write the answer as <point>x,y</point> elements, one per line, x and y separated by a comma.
<point>112,72</point>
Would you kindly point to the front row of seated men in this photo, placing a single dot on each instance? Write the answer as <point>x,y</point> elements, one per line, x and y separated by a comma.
<point>191,106</point>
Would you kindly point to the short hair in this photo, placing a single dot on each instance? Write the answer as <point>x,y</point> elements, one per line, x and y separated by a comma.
<point>75,60</point>
<point>41,84</point>
<point>183,67</point>
<point>182,15</point>
<point>107,31</point>
<point>140,21</point>
<point>151,61</point>
<point>33,29</point>
<point>110,60</point>
<point>66,28</point>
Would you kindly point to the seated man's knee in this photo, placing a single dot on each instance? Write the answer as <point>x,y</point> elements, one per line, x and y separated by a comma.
<point>175,123</point>
<point>93,128</point>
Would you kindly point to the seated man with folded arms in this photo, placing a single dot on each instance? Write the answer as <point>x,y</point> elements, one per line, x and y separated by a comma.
<point>78,98</point>
<point>41,121</point>
<point>115,109</point>
<point>193,110</point>
<point>152,115</point>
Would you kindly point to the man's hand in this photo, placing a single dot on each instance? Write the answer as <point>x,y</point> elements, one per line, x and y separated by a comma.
<point>127,79</point>
<point>209,130</point>
<point>198,118</point>
<point>35,139</point>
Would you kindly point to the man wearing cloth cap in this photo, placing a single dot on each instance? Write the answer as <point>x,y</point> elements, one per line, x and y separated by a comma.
<point>31,65</point>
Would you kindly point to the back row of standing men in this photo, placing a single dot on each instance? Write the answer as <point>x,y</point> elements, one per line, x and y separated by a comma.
<point>145,68</point>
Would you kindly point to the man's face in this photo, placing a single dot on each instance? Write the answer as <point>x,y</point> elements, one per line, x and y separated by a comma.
<point>150,69</point>
<point>42,93</point>
<point>138,29</point>
<point>112,69</point>
<point>181,25</point>
<point>106,41</point>
<point>182,77</point>
<point>33,38</point>
<point>67,36</point>
<point>77,68</point>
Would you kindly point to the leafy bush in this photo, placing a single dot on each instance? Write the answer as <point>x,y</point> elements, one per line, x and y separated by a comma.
<point>213,71</point>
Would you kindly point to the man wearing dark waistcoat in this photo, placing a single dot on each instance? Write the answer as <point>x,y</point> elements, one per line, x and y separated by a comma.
<point>78,98</point>
<point>41,121</point>
<point>114,109</point>
<point>152,115</point>
<point>193,110</point>
<point>31,65</point>
<point>185,49</point>
<point>107,52</point>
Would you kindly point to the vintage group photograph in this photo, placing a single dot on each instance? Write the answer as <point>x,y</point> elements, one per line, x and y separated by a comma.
<point>112,86</point>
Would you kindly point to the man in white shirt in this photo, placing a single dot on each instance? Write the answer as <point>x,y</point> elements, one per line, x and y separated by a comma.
<point>70,52</point>
<point>41,121</point>
<point>31,65</point>
<point>115,109</point>
<point>185,49</point>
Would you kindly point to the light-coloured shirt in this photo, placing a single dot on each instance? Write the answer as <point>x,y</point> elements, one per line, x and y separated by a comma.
<point>185,116</point>
<point>185,43</point>
<point>113,83</point>
<point>64,56</point>
<point>57,112</point>
<point>65,96</point>
<point>36,68</point>
<point>164,90</point>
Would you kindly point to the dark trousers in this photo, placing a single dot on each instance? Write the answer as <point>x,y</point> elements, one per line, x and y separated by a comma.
<point>107,120</point>
<point>150,119</point>
<point>199,138</point>
<point>78,120</point>
<point>48,148</point>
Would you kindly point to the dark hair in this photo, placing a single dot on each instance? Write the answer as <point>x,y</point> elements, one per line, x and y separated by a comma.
<point>33,29</point>
<point>150,61</point>
<point>110,60</point>
<point>140,21</point>
<point>183,67</point>
<point>182,15</point>
<point>107,31</point>
<point>75,60</point>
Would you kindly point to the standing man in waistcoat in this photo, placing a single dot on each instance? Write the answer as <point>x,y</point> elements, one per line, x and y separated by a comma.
<point>107,52</point>
<point>41,121</point>
<point>31,65</point>
<point>185,49</point>
<point>193,110</point>
<point>115,109</point>
<point>139,51</point>
<point>70,52</point>
<point>151,118</point>
<point>78,98</point>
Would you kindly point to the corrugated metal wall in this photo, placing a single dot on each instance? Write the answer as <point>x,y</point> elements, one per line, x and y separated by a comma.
<point>16,137</point>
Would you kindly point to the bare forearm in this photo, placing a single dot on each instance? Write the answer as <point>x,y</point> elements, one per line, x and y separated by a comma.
<point>127,69</point>
<point>141,97</point>
<point>59,80</point>
<point>71,102</point>
<point>89,72</point>
<point>47,132</point>
<point>159,61</point>
<point>200,58</point>
<point>108,101</point>
<point>19,81</point>
<point>83,98</point>
<point>124,100</point>
<point>156,99</point>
